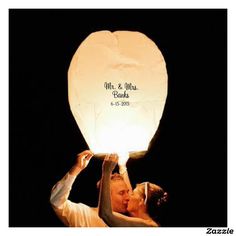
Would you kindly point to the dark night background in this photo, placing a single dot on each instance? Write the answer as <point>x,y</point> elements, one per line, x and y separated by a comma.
<point>188,158</point>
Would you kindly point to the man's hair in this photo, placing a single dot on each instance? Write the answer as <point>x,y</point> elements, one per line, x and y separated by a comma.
<point>114,177</point>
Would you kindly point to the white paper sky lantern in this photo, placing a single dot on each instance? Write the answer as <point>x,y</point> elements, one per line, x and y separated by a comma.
<point>117,86</point>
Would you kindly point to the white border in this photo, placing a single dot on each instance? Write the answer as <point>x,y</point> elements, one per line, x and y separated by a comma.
<point>5,5</point>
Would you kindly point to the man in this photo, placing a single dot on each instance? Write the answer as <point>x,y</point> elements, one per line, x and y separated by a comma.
<point>78,214</point>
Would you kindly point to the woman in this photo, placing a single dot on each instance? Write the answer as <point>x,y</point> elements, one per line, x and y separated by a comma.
<point>145,200</point>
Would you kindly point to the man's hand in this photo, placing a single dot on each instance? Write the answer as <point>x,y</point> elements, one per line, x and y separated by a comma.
<point>83,159</point>
<point>81,163</point>
<point>109,163</point>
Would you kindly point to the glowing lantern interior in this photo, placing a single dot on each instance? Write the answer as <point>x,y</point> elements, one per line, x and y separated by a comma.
<point>117,86</point>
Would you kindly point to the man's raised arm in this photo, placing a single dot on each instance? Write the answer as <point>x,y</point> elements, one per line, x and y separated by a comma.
<point>61,190</point>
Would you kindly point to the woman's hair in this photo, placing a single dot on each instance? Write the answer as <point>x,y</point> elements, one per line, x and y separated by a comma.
<point>154,198</point>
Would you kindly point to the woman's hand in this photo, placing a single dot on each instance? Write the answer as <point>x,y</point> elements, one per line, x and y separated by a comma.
<point>109,163</point>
